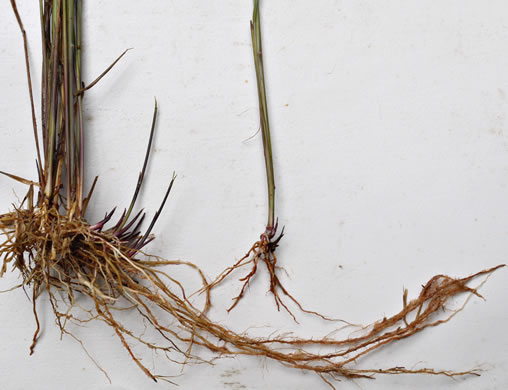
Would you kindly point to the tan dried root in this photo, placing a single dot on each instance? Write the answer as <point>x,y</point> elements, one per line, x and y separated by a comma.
<point>67,258</point>
<point>263,251</point>
<point>55,253</point>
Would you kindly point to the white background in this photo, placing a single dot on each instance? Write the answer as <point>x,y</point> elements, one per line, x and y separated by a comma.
<point>391,156</point>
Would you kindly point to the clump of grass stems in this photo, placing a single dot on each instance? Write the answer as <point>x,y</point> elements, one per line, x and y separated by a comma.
<point>48,240</point>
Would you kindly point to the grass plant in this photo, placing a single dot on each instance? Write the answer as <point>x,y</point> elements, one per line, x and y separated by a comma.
<point>89,271</point>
